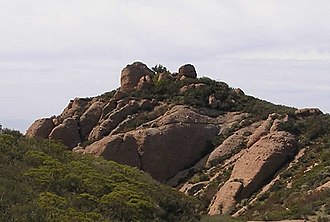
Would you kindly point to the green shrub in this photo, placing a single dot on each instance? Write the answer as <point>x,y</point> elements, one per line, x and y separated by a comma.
<point>42,181</point>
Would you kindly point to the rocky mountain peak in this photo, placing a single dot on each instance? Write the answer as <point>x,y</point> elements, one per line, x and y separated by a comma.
<point>195,134</point>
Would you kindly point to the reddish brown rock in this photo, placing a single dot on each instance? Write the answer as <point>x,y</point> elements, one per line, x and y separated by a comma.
<point>223,203</point>
<point>254,168</point>
<point>182,114</point>
<point>76,107</point>
<point>67,132</point>
<point>108,108</point>
<point>171,146</point>
<point>119,95</point>
<point>40,128</point>
<point>120,148</point>
<point>188,71</point>
<point>261,131</point>
<point>131,75</point>
<point>114,119</point>
<point>90,118</point>
<point>233,143</point>
<point>145,83</point>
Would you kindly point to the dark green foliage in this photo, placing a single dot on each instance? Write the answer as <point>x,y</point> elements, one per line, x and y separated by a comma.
<point>261,108</point>
<point>310,128</point>
<point>41,181</point>
<point>108,95</point>
<point>159,69</point>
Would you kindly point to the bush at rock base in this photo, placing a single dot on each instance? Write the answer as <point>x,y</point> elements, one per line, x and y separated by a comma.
<point>41,181</point>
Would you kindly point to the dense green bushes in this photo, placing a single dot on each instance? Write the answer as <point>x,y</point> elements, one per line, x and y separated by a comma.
<point>41,181</point>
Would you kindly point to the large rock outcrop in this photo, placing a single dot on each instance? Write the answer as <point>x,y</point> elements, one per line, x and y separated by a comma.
<point>132,74</point>
<point>90,118</point>
<point>188,71</point>
<point>174,143</point>
<point>113,120</point>
<point>75,108</point>
<point>67,132</point>
<point>253,169</point>
<point>41,128</point>
<point>177,140</point>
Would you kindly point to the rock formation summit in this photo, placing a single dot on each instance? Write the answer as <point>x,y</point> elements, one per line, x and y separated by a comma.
<point>195,134</point>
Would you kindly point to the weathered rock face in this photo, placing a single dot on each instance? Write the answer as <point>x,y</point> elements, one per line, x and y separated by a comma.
<point>169,147</point>
<point>90,118</point>
<point>232,143</point>
<point>76,107</point>
<point>67,132</point>
<point>253,169</point>
<point>145,83</point>
<point>120,148</point>
<point>113,120</point>
<point>188,71</point>
<point>131,75</point>
<point>41,128</point>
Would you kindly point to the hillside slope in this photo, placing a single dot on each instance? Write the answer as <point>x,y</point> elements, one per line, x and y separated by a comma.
<point>239,155</point>
<point>42,181</point>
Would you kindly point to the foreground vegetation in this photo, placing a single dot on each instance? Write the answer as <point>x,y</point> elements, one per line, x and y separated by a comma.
<point>41,181</point>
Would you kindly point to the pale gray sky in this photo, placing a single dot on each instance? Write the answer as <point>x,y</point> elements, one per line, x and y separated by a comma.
<point>52,51</point>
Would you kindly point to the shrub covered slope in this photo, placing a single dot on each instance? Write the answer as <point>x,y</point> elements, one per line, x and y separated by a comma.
<point>41,181</point>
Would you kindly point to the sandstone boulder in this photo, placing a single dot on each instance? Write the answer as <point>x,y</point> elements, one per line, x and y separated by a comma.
<point>188,71</point>
<point>168,149</point>
<point>254,168</point>
<point>114,119</point>
<point>178,140</point>
<point>41,128</point>
<point>119,95</point>
<point>183,114</point>
<point>232,144</point>
<point>262,160</point>
<point>67,132</point>
<point>108,108</point>
<point>131,75</point>
<point>121,148</point>
<point>90,118</point>
<point>75,107</point>
<point>145,83</point>
<point>223,203</point>
<point>261,131</point>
